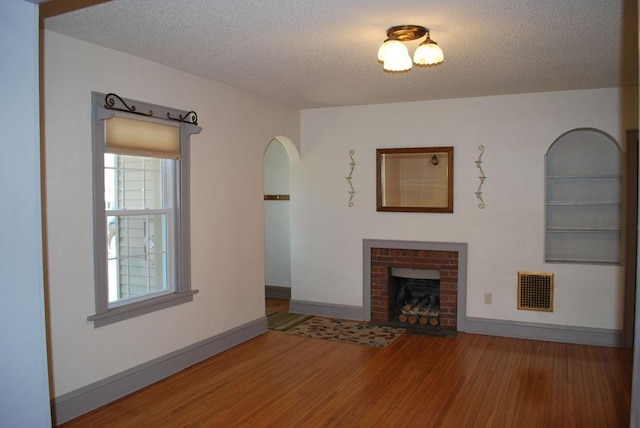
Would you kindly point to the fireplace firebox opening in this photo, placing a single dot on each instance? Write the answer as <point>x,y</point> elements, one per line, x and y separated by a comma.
<point>416,297</point>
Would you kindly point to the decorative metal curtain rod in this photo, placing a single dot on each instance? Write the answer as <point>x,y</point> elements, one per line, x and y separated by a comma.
<point>110,103</point>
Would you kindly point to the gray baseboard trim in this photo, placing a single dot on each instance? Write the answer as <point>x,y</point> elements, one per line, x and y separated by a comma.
<point>491,327</point>
<point>75,403</point>
<point>550,332</point>
<point>277,292</point>
<point>346,312</point>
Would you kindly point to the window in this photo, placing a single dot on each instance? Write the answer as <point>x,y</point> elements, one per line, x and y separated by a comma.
<point>141,209</point>
<point>583,198</point>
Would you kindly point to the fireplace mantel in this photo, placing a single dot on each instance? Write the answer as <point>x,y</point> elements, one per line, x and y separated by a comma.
<point>460,248</point>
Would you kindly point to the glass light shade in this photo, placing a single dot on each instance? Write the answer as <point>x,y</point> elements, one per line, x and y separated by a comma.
<point>382,50</point>
<point>396,56</point>
<point>398,64</point>
<point>428,53</point>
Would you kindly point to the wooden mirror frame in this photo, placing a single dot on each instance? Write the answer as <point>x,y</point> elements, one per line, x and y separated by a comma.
<point>433,167</point>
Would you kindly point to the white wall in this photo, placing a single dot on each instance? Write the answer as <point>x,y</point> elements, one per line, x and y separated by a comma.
<point>277,246</point>
<point>505,237</point>
<point>24,383</point>
<point>226,216</point>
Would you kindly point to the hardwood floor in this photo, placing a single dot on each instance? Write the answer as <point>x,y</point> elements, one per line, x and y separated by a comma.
<point>279,305</point>
<point>282,380</point>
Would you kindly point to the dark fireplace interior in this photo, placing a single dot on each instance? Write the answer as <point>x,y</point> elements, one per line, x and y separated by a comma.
<point>417,301</point>
<point>414,298</point>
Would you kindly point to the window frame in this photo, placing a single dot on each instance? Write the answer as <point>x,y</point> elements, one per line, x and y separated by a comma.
<point>104,312</point>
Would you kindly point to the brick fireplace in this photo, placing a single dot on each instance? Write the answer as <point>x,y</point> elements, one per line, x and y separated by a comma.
<point>448,259</point>
<point>382,295</point>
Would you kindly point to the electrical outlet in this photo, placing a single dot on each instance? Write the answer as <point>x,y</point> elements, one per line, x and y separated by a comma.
<point>488,297</point>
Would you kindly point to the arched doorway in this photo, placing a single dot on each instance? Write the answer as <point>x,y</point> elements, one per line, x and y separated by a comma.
<point>277,217</point>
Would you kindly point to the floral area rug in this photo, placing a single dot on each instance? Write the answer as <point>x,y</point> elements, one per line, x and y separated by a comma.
<point>358,332</point>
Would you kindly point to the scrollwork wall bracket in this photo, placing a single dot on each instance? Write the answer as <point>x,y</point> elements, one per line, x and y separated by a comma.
<point>482,177</point>
<point>349,178</point>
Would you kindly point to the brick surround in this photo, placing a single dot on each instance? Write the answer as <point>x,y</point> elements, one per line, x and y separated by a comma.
<point>383,259</point>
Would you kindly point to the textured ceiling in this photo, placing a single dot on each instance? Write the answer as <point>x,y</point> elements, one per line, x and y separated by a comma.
<point>317,53</point>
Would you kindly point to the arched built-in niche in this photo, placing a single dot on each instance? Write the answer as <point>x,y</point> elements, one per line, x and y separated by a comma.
<point>583,197</point>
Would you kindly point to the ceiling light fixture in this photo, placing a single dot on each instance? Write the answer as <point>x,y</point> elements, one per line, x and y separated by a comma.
<point>394,55</point>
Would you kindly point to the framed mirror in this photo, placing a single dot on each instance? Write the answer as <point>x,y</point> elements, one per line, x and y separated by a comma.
<point>418,179</point>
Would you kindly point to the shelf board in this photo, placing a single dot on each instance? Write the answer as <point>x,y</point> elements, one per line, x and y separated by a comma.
<point>585,231</point>
<point>580,177</point>
<point>583,204</point>
<point>584,261</point>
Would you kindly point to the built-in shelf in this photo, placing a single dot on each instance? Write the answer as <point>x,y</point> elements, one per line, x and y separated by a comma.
<point>583,204</point>
<point>578,230</point>
<point>582,199</point>
<point>580,177</point>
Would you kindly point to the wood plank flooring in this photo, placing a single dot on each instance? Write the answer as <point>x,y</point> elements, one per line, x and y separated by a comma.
<point>280,380</point>
<point>280,305</point>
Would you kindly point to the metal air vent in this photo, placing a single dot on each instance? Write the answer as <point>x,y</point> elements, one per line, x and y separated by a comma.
<point>535,291</point>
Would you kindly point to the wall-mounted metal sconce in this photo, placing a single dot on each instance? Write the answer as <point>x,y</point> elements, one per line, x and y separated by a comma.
<point>349,178</point>
<point>482,178</point>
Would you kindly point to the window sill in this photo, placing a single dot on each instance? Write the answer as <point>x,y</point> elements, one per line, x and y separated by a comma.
<point>131,310</point>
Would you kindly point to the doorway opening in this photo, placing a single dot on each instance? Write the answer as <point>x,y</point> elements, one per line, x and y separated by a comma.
<point>277,220</point>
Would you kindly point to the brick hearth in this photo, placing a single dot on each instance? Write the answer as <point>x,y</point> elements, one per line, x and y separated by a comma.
<point>382,298</point>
